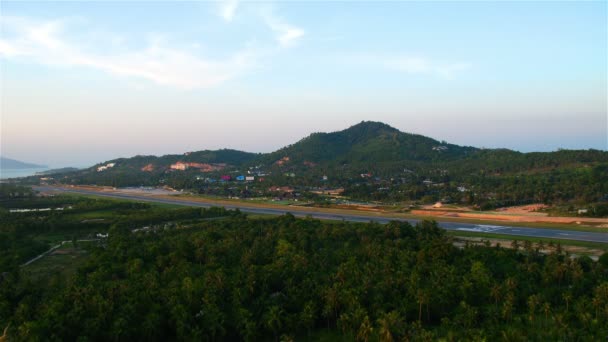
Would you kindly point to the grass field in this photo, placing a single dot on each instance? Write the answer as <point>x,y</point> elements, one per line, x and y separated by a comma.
<point>63,262</point>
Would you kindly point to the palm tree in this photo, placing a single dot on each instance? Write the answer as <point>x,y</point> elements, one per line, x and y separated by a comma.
<point>388,322</point>
<point>274,320</point>
<point>511,284</point>
<point>495,292</point>
<point>596,304</point>
<point>546,310</point>
<point>365,330</point>
<point>528,246</point>
<point>540,245</point>
<point>287,338</point>
<point>515,244</point>
<point>331,304</point>
<point>307,317</point>
<point>533,302</point>
<point>422,299</point>
<point>507,307</point>
<point>385,330</point>
<point>567,296</point>
<point>4,336</point>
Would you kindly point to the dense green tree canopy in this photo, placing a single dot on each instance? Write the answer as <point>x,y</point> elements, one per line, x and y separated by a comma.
<point>238,278</point>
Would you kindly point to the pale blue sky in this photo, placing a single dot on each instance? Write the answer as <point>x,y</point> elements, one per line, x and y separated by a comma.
<point>89,81</point>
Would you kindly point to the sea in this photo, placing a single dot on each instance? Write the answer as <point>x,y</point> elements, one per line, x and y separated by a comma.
<point>14,173</point>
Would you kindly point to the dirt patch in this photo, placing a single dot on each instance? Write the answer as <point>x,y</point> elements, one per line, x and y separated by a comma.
<point>357,207</point>
<point>148,168</point>
<point>531,209</point>
<point>574,250</point>
<point>445,207</point>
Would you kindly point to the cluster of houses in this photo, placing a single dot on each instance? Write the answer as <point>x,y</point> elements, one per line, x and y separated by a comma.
<point>105,167</point>
<point>256,171</point>
<point>228,178</point>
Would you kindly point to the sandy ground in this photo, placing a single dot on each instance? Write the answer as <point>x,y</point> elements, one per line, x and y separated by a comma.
<point>449,207</point>
<point>594,253</point>
<point>530,209</point>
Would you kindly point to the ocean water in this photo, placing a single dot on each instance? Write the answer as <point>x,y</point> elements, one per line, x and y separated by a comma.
<point>13,173</point>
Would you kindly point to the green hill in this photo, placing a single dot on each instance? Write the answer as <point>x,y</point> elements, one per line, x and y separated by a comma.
<point>162,163</point>
<point>374,161</point>
<point>153,170</point>
<point>369,142</point>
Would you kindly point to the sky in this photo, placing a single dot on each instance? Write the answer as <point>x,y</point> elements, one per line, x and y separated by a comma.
<point>83,82</point>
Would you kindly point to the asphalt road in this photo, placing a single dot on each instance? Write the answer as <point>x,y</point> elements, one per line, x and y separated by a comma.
<point>465,227</point>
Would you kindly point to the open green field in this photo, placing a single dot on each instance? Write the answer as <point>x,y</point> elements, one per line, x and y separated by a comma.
<point>159,205</point>
<point>62,262</point>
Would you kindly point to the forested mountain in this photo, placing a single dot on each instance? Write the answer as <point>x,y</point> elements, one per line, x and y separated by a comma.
<point>371,144</point>
<point>377,145</point>
<point>396,166</point>
<point>368,142</point>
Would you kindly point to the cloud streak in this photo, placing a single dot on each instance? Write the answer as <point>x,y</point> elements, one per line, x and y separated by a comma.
<point>407,65</point>
<point>286,34</point>
<point>228,8</point>
<point>45,42</point>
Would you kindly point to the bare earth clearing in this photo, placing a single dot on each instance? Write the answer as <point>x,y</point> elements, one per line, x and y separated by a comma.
<point>593,253</point>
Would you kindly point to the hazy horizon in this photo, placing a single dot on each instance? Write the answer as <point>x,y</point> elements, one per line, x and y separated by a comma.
<point>50,166</point>
<point>84,82</point>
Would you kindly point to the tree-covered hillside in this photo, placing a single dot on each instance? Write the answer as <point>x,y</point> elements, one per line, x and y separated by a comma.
<point>368,143</point>
<point>395,166</point>
<point>153,170</point>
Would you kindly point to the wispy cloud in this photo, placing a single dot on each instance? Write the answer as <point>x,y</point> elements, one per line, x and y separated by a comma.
<point>286,34</point>
<point>416,65</point>
<point>46,42</point>
<point>227,9</point>
<point>409,65</point>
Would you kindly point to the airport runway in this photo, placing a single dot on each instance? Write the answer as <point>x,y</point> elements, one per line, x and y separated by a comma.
<point>465,227</point>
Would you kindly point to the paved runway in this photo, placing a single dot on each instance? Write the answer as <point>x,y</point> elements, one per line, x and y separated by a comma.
<point>466,227</point>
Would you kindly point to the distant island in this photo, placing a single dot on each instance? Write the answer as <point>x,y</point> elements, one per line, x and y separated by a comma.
<point>56,171</point>
<point>12,164</point>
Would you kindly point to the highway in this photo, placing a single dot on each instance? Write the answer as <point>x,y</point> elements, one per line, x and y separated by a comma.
<point>301,212</point>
